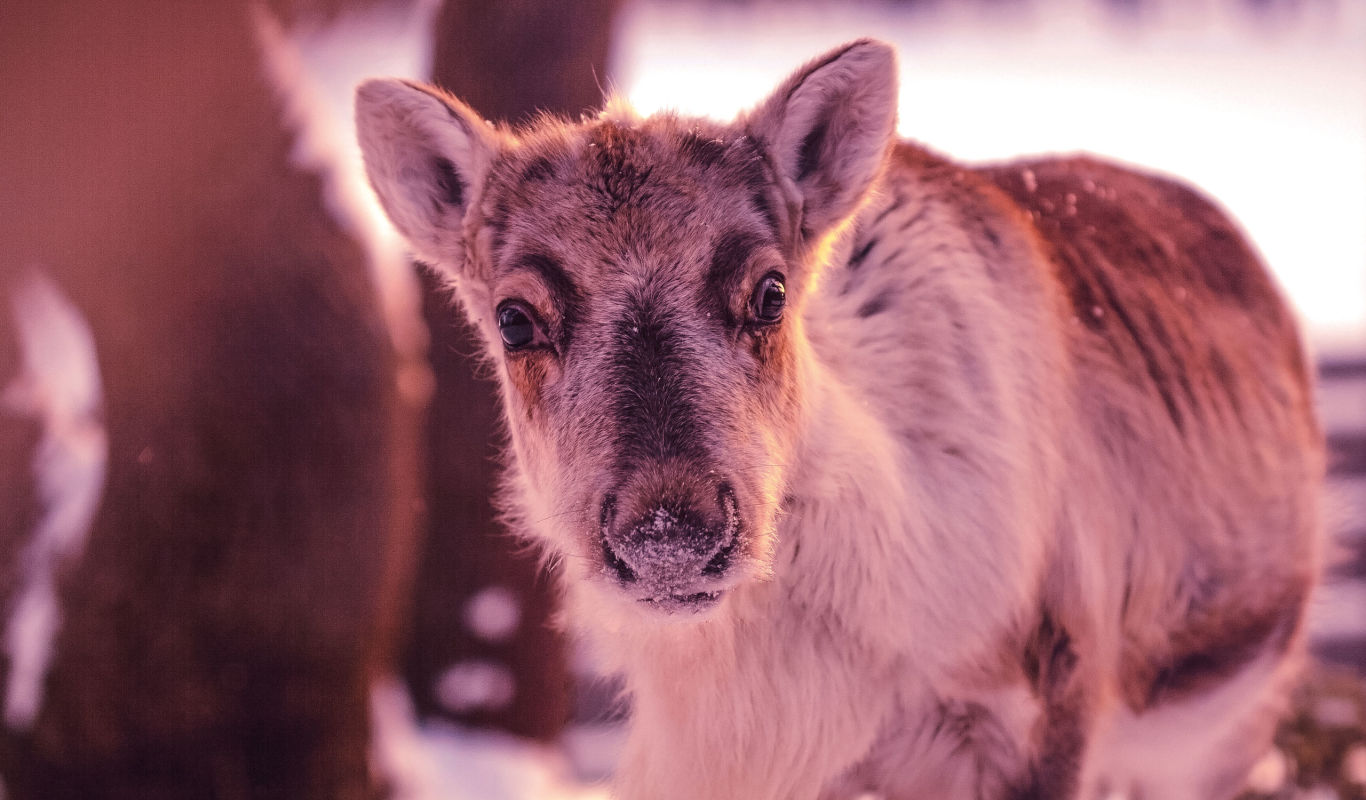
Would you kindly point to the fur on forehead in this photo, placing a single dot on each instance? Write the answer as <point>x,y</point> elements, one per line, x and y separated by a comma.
<point>665,147</point>
<point>623,180</point>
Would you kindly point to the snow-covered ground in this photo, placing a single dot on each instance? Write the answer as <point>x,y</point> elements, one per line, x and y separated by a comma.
<point>444,762</point>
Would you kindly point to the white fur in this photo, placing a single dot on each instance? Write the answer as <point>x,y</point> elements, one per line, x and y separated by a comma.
<point>60,385</point>
<point>793,680</point>
<point>1168,752</point>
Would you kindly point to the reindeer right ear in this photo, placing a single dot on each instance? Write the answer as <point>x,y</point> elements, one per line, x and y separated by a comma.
<point>426,155</point>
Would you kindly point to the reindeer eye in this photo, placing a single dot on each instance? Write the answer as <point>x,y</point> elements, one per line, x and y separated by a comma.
<point>515,325</point>
<point>769,298</point>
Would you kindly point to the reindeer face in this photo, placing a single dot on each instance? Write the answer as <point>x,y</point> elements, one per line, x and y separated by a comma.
<point>637,302</point>
<point>639,284</point>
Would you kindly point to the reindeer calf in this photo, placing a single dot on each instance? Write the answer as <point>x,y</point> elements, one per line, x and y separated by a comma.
<point>873,472</point>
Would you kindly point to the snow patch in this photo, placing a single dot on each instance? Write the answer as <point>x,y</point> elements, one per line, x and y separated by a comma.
<point>474,685</point>
<point>60,385</point>
<point>670,556</point>
<point>1354,765</point>
<point>493,614</point>
<point>1269,774</point>
<point>594,748</point>
<point>666,552</point>
<point>440,761</point>
<point>398,754</point>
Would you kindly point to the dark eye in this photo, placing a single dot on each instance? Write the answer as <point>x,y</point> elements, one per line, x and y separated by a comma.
<point>769,298</point>
<point>515,325</point>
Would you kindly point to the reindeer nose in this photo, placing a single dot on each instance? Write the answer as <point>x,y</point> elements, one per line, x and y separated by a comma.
<point>672,546</point>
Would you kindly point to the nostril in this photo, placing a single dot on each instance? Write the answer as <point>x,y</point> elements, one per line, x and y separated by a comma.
<point>730,508</point>
<point>607,516</point>
<point>623,571</point>
<point>721,561</point>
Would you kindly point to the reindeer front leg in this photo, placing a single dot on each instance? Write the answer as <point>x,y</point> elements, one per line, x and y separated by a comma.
<point>1020,735</point>
<point>994,745</point>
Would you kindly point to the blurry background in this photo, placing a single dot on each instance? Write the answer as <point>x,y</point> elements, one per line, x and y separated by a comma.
<point>1259,102</point>
<point>1262,103</point>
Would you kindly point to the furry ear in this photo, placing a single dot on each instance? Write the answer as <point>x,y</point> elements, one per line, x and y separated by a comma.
<point>828,128</point>
<point>426,155</point>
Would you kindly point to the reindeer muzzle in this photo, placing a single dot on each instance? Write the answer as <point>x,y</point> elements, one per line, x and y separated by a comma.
<point>673,555</point>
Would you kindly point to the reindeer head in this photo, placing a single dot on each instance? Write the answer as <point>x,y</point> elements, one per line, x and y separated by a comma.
<point>640,284</point>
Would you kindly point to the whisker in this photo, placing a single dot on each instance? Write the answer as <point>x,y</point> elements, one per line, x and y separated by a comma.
<point>568,512</point>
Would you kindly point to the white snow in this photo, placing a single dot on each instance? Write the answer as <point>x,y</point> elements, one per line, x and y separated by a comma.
<point>445,762</point>
<point>1354,765</point>
<point>59,385</point>
<point>493,614</point>
<point>474,685</point>
<point>1269,774</point>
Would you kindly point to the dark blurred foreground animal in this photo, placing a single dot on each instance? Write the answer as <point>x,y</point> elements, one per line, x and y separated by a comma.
<point>208,455</point>
<point>873,472</point>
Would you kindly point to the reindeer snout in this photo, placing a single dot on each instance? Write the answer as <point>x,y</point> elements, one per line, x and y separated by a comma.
<point>672,552</point>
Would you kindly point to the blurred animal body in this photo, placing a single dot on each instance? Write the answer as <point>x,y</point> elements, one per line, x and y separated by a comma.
<point>876,473</point>
<point>208,418</point>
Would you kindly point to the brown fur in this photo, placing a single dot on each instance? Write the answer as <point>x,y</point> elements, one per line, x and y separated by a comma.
<point>241,582</point>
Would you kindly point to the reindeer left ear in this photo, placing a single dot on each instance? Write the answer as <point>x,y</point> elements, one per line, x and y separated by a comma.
<point>829,127</point>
